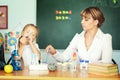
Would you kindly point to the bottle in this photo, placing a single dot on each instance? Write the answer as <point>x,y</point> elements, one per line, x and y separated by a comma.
<point>81,64</point>
<point>86,64</point>
<point>74,58</point>
<point>84,68</point>
<point>64,66</point>
<point>59,66</point>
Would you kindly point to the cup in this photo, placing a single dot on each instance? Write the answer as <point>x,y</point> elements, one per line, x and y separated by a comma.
<point>59,66</point>
<point>34,60</point>
<point>72,66</point>
<point>64,66</point>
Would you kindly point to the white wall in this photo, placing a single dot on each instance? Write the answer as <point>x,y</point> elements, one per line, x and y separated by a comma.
<point>20,12</point>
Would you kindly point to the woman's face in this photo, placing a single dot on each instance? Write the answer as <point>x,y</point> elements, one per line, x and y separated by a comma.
<point>88,23</point>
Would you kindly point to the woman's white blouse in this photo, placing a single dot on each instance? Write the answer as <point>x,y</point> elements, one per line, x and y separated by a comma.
<point>99,51</point>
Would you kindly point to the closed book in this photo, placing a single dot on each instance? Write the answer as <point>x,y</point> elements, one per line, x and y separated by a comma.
<point>103,74</point>
<point>103,69</point>
<point>103,65</point>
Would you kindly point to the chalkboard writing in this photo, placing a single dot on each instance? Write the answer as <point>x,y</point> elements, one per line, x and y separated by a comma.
<point>59,21</point>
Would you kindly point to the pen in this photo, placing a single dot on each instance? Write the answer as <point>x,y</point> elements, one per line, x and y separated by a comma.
<point>47,55</point>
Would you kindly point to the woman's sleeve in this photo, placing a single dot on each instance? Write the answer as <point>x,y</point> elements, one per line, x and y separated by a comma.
<point>66,55</point>
<point>107,49</point>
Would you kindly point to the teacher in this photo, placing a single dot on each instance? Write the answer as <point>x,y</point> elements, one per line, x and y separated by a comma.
<point>91,44</point>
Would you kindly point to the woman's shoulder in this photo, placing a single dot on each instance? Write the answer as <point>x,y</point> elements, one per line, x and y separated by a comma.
<point>78,35</point>
<point>107,35</point>
<point>104,35</point>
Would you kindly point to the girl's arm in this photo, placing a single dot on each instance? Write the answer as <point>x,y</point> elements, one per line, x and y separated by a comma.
<point>21,45</point>
<point>20,50</point>
<point>34,46</point>
<point>35,49</point>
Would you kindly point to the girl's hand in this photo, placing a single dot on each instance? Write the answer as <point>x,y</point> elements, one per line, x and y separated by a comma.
<point>30,40</point>
<point>24,40</point>
<point>50,49</point>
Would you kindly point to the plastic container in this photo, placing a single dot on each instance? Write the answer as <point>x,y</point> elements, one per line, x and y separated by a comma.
<point>84,68</point>
<point>81,64</point>
<point>86,64</point>
<point>35,60</point>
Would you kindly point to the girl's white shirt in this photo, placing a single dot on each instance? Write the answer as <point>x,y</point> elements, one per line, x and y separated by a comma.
<point>27,54</point>
<point>99,51</point>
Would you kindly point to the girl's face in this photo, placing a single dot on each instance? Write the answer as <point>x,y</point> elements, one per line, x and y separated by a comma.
<point>30,32</point>
<point>88,23</point>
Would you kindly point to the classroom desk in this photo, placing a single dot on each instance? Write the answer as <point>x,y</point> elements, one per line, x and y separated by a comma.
<point>26,74</point>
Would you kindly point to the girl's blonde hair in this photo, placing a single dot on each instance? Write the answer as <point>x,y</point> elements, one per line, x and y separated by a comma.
<point>28,25</point>
<point>32,25</point>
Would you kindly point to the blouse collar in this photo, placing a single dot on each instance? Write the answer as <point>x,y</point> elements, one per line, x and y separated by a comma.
<point>98,34</point>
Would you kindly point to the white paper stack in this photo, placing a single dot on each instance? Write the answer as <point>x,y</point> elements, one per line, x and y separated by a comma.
<point>43,67</point>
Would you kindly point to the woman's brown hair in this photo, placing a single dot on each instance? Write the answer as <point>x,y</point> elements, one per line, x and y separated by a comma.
<point>96,14</point>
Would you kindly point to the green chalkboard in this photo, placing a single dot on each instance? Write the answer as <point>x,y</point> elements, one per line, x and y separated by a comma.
<point>59,28</point>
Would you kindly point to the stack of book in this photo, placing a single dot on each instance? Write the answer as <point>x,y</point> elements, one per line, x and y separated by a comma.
<point>103,69</point>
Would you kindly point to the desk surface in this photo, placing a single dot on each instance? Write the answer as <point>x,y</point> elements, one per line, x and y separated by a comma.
<point>56,75</point>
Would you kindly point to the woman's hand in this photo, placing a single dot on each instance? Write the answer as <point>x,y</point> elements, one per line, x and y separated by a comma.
<point>50,49</point>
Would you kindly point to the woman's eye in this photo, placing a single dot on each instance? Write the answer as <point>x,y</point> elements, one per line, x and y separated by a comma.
<point>86,19</point>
